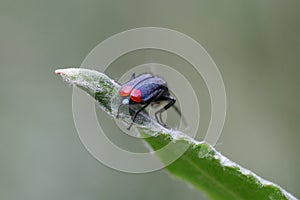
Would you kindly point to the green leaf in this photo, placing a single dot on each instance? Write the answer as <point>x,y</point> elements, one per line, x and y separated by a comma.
<point>201,165</point>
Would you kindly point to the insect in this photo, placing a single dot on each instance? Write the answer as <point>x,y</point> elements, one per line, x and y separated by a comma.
<point>145,89</point>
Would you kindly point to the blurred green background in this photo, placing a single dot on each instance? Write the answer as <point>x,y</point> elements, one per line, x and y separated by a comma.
<point>255,44</point>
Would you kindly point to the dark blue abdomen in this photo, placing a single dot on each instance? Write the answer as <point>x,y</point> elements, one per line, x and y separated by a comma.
<point>151,87</point>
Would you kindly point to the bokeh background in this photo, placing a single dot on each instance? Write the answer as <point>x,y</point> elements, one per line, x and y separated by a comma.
<point>255,44</point>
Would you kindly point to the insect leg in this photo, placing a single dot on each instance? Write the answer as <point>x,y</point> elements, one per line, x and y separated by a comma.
<point>180,115</point>
<point>132,76</point>
<point>118,112</point>
<point>142,108</point>
<point>166,107</point>
<point>136,113</point>
<point>171,103</point>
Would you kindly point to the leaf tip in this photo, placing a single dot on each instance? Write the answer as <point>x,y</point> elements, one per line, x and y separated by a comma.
<point>58,71</point>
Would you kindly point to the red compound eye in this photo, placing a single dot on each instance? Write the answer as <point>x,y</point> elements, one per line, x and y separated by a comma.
<point>136,95</point>
<point>125,91</point>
